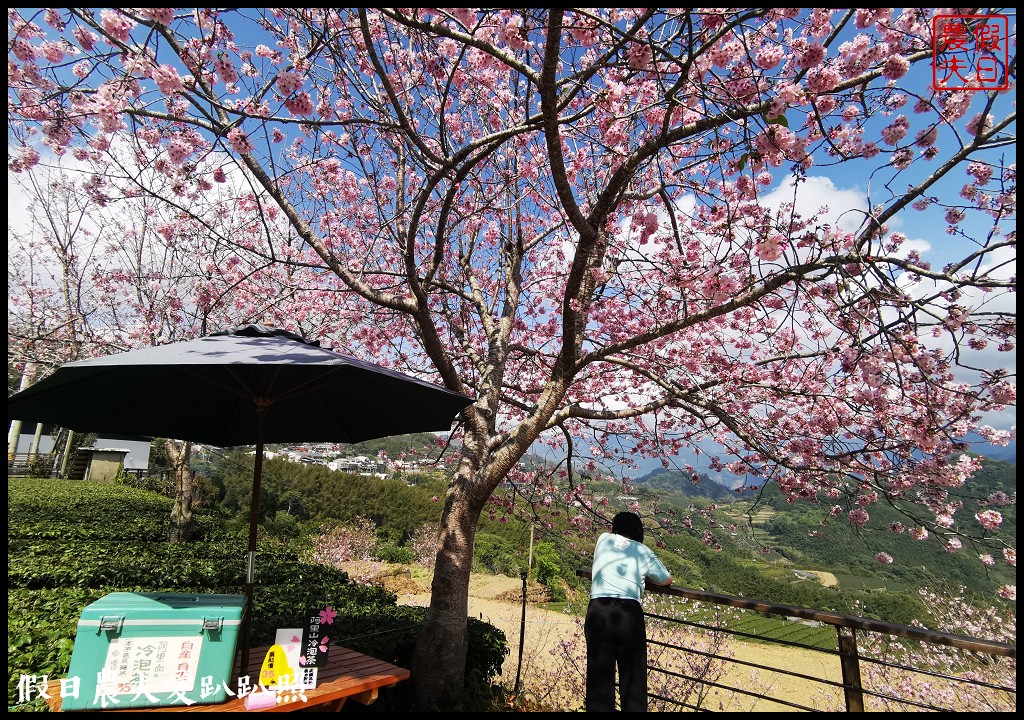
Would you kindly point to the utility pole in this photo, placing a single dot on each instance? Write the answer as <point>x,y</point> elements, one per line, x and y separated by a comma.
<point>14,432</point>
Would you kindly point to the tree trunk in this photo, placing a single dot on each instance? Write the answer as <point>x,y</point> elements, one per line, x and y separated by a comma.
<point>439,662</point>
<point>181,514</point>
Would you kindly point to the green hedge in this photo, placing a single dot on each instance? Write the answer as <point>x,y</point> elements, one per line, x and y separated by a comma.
<point>71,543</point>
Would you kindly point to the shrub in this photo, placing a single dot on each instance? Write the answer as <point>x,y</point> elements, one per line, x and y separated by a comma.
<point>496,555</point>
<point>67,550</point>
<point>391,553</point>
<point>344,543</point>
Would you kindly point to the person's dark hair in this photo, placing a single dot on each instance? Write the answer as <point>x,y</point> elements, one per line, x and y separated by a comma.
<point>628,525</point>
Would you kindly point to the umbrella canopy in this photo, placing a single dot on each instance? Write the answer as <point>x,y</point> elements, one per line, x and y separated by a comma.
<point>209,389</point>
<point>250,385</point>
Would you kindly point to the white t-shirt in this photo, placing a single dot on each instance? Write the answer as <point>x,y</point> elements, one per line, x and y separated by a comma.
<point>620,567</point>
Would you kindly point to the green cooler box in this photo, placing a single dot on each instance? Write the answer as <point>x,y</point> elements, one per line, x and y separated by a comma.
<point>135,650</point>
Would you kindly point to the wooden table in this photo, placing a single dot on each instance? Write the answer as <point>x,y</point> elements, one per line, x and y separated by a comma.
<point>348,674</point>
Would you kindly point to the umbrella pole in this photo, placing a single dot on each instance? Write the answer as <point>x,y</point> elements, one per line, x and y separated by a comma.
<point>254,517</point>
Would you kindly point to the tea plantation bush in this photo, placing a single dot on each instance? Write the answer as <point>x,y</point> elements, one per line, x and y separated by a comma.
<point>71,543</point>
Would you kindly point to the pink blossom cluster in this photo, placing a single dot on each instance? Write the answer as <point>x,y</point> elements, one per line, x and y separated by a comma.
<point>289,82</point>
<point>167,79</point>
<point>926,137</point>
<point>225,69</point>
<point>343,544</point>
<point>300,104</point>
<point>951,612</point>
<point>239,141</point>
<point>809,55</point>
<point>896,131</point>
<point>771,248</point>
<point>895,67</point>
<point>164,16</point>
<point>769,56</point>
<point>981,172</point>
<point>998,498</point>
<point>117,24</point>
<point>982,122</point>
<point>822,80</point>
<point>989,519</point>
<point>858,516</point>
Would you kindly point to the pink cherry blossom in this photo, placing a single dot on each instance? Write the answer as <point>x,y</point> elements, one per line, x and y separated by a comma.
<point>239,142</point>
<point>978,123</point>
<point>771,249</point>
<point>85,38</point>
<point>769,56</point>
<point>896,67</point>
<point>896,131</point>
<point>167,79</point>
<point>164,16</point>
<point>927,137</point>
<point>982,172</point>
<point>812,56</point>
<point>300,104</point>
<point>225,69</point>
<point>989,519</point>
<point>179,150</point>
<point>117,24</point>
<point>288,82</point>
<point>884,558</point>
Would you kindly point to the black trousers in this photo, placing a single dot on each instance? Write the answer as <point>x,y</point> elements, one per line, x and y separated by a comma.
<point>616,636</point>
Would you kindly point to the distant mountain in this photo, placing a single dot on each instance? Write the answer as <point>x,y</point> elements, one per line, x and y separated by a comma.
<point>1006,454</point>
<point>678,481</point>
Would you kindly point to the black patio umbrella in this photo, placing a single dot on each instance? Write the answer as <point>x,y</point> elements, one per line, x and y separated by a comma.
<point>249,385</point>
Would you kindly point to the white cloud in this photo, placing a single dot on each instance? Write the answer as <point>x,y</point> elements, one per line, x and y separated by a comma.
<point>844,208</point>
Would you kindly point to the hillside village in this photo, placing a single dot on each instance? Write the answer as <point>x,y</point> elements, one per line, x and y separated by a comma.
<point>330,456</point>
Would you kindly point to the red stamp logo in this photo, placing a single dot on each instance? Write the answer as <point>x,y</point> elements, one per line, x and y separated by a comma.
<point>971,52</point>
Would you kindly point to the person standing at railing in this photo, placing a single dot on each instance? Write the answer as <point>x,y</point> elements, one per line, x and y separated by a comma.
<point>615,628</point>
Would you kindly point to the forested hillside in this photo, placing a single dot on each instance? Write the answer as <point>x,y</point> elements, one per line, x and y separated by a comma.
<point>766,542</point>
<point>799,534</point>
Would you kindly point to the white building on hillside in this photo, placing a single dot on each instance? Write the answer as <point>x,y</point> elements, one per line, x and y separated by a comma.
<point>359,465</point>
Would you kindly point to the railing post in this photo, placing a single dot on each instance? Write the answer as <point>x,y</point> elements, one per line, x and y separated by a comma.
<point>849,661</point>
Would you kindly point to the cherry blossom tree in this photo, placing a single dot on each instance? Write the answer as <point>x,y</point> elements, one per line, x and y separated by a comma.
<point>601,224</point>
<point>95,271</point>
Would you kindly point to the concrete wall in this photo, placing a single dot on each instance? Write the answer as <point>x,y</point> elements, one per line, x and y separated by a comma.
<point>105,465</point>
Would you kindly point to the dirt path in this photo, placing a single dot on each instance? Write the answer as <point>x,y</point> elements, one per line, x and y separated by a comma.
<point>545,630</point>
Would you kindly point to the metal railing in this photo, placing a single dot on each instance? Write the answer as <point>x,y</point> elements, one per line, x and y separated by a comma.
<point>35,464</point>
<point>843,661</point>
